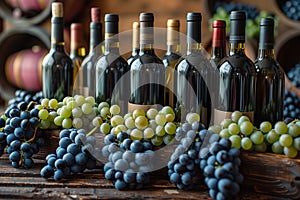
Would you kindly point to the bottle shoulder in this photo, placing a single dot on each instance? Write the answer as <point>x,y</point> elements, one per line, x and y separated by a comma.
<point>269,66</point>
<point>170,58</point>
<point>193,60</point>
<point>111,60</point>
<point>57,57</point>
<point>146,59</point>
<point>237,63</point>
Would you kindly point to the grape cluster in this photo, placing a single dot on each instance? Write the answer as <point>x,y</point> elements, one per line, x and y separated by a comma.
<point>291,105</point>
<point>20,134</point>
<point>293,75</point>
<point>282,138</point>
<point>221,169</point>
<point>291,9</point>
<point>25,96</point>
<point>184,162</point>
<point>76,152</point>
<point>129,161</point>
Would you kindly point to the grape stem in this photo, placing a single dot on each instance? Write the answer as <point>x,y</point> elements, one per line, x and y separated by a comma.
<point>92,131</point>
<point>35,131</point>
<point>30,104</point>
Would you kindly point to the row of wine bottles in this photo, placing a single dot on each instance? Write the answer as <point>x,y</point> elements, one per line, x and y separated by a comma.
<point>214,88</point>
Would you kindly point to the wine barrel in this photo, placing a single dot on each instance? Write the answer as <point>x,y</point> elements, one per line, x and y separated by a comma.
<point>33,12</point>
<point>24,68</point>
<point>287,48</point>
<point>15,40</point>
<point>278,4</point>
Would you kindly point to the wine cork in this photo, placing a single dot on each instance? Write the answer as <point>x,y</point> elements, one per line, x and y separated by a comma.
<point>57,9</point>
<point>96,14</point>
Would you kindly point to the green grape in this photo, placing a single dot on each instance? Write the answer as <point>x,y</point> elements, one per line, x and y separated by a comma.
<point>265,127</point>
<point>53,103</point>
<point>246,143</point>
<point>277,148</point>
<point>152,124</point>
<point>281,127</point>
<point>127,115</point>
<point>170,117</point>
<point>67,123</point>
<point>136,134</point>
<point>102,105</point>
<point>141,122</point>
<point>72,104</point>
<point>234,129</point>
<point>290,152</point>
<point>272,136</point>
<point>97,121</point>
<point>90,100</point>
<point>115,109</point>
<point>225,123</point>
<point>129,122</point>
<point>257,137</point>
<point>43,114</point>
<point>149,133</point>
<point>44,124</point>
<point>157,140</point>
<point>112,131</point>
<point>168,139</point>
<point>224,133</point>
<point>138,112</point>
<point>68,99</point>
<point>39,107</point>
<point>260,147</point>
<point>215,128</point>
<point>116,120</point>
<point>77,123</point>
<point>58,120</point>
<point>243,119</point>
<point>160,131</point>
<point>169,112</point>
<point>192,117</point>
<point>105,128</point>
<point>286,140</point>
<point>104,112</point>
<point>296,143</point>
<point>52,116</point>
<point>246,128</point>
<point>235,116</point>
<point>294,130</point>
<point>86,108</point>
<point>235,141</point>
<point>80,100</point>
<point>77,112</point>
<point>60,104</point>
<point>45,102</point>
<point>151,113</point>
<point>120,128</point>
<point>170,128</point>
<point>58,110</point>
<point>65,112</point>
<point>160,119</point>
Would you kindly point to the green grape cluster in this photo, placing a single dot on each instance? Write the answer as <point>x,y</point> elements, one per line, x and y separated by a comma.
<point>281,139</point>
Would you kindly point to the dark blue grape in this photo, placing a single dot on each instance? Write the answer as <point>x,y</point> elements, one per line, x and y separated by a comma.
<point>81,158</point>
<point>136,146</point>
<point>58,175</point>
<point>73,149</point>
<point>69,159</point>
<point>14,156</point>
<point>120,185</point>
<point>64,142</point>
<point>19,132</point>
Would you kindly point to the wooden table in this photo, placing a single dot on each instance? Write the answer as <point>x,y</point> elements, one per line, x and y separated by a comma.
<point>28,184</point>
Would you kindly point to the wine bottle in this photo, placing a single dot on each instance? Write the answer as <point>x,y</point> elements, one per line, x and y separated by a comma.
<point>88,66</point>
<point>135,42</point>
<point>170,58</point>
<point>192,91</point>
<point>110,85</point>
<point>237,84</point>
<point>270,77</point>
<point>57,67</point>
<point>147,71</point>
<point>218,50</point>
<point>77,54</point>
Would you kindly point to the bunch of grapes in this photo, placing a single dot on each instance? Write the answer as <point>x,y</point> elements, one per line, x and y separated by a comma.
<point>20,134</point>
<point>220,164</point>
<point>129,161</point>
<point>293,75</point>
<point>282,138</point>
<point>291,9</point>
<point>76,152</point>
<point>291,105</point>
<point>184,162</point>
<point>25,96</point>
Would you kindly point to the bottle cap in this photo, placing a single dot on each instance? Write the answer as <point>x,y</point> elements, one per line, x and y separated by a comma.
<point>135,25</point>
<point>146,17</point>
<point>219,24</point>
<point>173,23</point>
<point>194,16</point>
<point>111,18</point>
<point>95,14</point>
<point>267,22</point>
<point>76,35</point>
<point>57,9</point>
<point>238,15</point>
<point>237,26</point>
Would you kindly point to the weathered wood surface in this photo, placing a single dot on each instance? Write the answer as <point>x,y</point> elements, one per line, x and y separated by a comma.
<point>27,184</point>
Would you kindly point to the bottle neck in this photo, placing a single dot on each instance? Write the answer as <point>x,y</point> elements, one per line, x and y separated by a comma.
<point>146,40</point>
<point>237,48</point>
<point>80,51</point>
<point>193,47</point>
<point>146,49</point>
<point>218,52</point>
<point>111,45</point>
<point>95,37</point>
<point>135,51</point>
<point>265,53</point>
<point>173,48</point>
<point>57,33</point>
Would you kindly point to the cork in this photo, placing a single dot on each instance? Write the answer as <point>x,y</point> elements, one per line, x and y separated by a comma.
<point>96,14</point>
<point>57,9</point>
